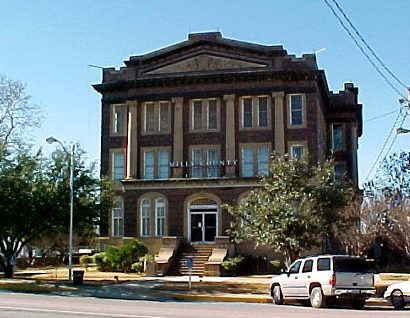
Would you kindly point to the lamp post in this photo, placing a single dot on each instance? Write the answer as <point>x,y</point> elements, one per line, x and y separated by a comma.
<point>70,153</point>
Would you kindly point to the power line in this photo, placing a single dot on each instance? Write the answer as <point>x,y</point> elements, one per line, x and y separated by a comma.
<point>368,46</point>
<point>393,129</point>
<point>392,86</point>
<point>381,116</point>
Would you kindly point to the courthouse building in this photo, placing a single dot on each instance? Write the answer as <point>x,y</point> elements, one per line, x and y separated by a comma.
<point>190,127</point>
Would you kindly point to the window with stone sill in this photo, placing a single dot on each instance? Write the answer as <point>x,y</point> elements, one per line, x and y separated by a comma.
<point>255,160</point>
<point>118,218</point>
<point>156,163</point>
<point>119,120</point>
<point>153,215</point>
<point>205,115</point>
<point>156,117</point>
<point>338,140</point>
<point>297,151</point>
<point>255,112</point>
<point>160,217</point>
<point>296,109</point>
<point>118,165</point>
<point>205,162</point>
<point>145,218</point>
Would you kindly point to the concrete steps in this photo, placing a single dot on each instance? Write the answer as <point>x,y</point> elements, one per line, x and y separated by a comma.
<point>200,254</point>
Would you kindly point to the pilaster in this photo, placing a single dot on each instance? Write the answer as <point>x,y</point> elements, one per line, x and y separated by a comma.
<point>230,147</point>
<point>279,121</point>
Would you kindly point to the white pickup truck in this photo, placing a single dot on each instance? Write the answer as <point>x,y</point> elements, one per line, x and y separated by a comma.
<point>322,278</point>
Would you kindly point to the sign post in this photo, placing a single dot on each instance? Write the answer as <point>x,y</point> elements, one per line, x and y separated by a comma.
<point>190,264</point>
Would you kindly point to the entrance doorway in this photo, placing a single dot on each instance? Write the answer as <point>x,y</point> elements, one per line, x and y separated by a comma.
<point>203,221</point>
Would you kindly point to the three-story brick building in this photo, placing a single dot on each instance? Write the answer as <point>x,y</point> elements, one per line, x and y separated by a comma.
<point>191,126</point>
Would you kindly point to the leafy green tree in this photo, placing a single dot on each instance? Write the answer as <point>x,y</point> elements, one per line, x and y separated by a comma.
<point>34,197</point>
<point>294,206</point>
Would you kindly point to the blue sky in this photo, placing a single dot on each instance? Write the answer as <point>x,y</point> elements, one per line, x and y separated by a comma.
<point>48,45</point>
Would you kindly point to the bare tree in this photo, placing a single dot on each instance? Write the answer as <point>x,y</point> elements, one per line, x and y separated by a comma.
<point>17,113</point>
<point>396,225</point>
<point>361,227</point>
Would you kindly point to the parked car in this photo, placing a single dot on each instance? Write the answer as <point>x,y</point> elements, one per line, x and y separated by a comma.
<point>398,294</point>
<point>322,278</point>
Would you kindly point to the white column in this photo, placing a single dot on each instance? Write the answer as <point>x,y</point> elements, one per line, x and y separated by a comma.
<point>132,141</point>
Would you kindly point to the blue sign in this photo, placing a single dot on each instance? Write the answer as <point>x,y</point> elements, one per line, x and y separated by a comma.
<point>189,261</point>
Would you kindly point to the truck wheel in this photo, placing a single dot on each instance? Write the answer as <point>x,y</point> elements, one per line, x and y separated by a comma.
<point>317,299</point>
<point>277,295</point>
<point>397,299</point>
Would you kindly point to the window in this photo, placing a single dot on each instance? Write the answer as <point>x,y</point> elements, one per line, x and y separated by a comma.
<point>163,164</point>
<point>156,118</point>
<point>118,218</point>
<point>119,119</point>
<point>159,217</point>
<point>296,110</point>
<point>212,114</point>
<point>255,112</point>
<point>339,170</point>
<point>323,264</point>
<point>148,165</point>
<point>263,161</point>
<point>149,117</point>
<point>255,160</point>
<point>296,152</point>
<point>205,114</point>
<point>262,111</point>
<point>145,217</point>
<point>118,166</point>
<point>197,109</point>
<point>153,214</point>
<point>307,267</point>
<point>164,117</point>
<point>156,163</point>
<point>247,112</point>
<point>247,162</point>
<point>205,162</point>
<point>351,265</point>
<point>338,142</point>
<point>294,269</point>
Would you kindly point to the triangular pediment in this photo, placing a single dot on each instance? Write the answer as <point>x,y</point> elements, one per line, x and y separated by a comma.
<point>205,62</point>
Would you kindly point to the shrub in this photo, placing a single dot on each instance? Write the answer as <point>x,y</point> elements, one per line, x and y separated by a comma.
<point>102,264</point>
<point>122,259</point>
<point>86,260</point>
<point>138,267</point>
<point>231,264</point>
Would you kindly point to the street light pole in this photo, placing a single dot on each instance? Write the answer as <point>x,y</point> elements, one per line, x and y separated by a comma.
<point>70,153</point>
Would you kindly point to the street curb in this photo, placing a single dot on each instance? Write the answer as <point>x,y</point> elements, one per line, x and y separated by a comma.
<point>220,298</point>
<point>375,302</point>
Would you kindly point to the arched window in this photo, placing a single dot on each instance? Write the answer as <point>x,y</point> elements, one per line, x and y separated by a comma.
<point>118,218</point>
<point>145,217</point>
<point>160,217</point>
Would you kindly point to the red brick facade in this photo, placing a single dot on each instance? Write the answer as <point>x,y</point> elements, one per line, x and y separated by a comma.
<point>231,73</point>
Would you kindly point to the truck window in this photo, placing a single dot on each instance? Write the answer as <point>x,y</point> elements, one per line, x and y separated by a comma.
<point>351,265</point>
<point>307,267</point>
<point>295,268</point>
<point>323,264</point>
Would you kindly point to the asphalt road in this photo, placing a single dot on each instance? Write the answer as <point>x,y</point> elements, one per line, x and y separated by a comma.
<point>29,305</point>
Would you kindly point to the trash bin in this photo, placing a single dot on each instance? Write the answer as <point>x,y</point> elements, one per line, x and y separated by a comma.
<point>78,277</point>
